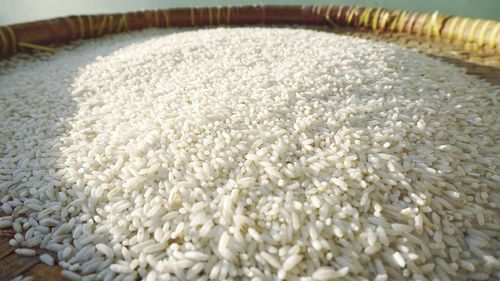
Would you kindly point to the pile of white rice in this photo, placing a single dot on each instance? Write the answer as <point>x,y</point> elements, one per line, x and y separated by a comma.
<point>251,154</point>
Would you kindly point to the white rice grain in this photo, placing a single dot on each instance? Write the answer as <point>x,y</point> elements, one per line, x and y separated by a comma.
<point>25,252</point>
<point>47,259</point>
<point>291,261</point>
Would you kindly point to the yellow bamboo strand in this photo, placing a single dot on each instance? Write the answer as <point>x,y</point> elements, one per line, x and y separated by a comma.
<point>36,47</point>
<point>91,26</point>
<point>4,42</point>
<point>473,30</point>
<point>167,18</point>
<point>395,21</point>
<point>192,17</point>
<point>327,16</point>
<point>483,33</point>
<point>462,29</point>
<point>13,37</point>
<point>82,28</point>
<point>493,37</point>
<point>375,18</point>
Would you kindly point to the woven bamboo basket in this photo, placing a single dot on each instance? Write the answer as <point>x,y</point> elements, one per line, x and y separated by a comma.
<point>470,43</point>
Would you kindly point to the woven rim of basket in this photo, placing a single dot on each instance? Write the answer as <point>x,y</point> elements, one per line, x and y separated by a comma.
<point>45,35</point>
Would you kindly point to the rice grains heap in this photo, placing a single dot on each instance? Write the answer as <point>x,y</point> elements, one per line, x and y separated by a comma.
<point>251,154</point>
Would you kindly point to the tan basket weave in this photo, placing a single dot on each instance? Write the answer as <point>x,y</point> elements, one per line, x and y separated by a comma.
<point>44,35</point>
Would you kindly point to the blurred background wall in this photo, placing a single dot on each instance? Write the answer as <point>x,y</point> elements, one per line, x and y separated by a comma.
<point>15,11</point>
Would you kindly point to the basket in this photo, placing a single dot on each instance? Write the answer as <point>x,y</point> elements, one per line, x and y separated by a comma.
<point>470,43</point>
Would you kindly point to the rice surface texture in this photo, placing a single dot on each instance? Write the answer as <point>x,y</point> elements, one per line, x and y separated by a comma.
<point>251,154</point>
